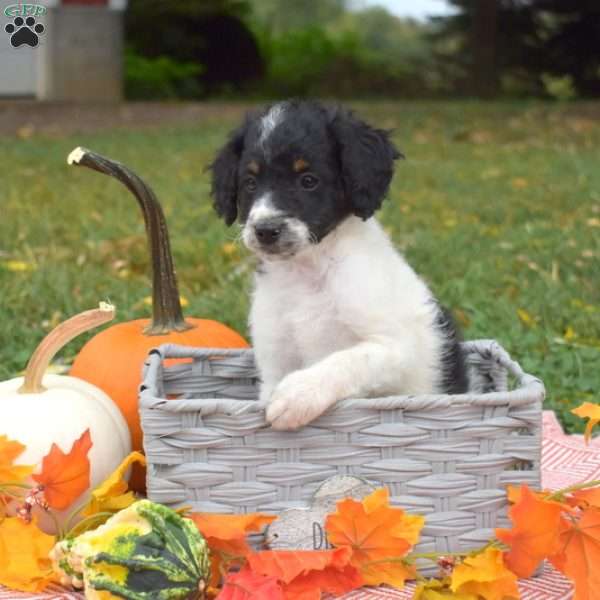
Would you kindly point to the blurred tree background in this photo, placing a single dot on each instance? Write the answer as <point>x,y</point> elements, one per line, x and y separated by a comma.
<point>271,48</point>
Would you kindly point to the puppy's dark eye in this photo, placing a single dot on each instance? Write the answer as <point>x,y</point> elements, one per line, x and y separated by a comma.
<point>309,181</point>
<point>250,184</point>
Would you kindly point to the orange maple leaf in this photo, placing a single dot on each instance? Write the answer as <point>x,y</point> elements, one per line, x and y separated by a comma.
<point>586,497</point>
<point>582,498</point>
<point>306,574</point>
<point>513,493</point>
<point>247,585</point>
<point>226,537</point>
<point>335,581</point>
<point>485,575</point>
<point>66,476</point>
<point>391,572</point>
<point>535,532</point>
<point>578,555</point>
<point>9,451</point>
<point>378,534</point>
<point>286,565</point>
<point>24,561</point>
<point>230,527</point>
<point>590,411</point>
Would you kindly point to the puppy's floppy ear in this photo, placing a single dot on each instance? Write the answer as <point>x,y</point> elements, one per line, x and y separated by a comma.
<point>366,158</point>
<point>225,174</point>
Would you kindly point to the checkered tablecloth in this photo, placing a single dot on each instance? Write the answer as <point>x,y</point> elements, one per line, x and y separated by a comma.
<point>566,459</point>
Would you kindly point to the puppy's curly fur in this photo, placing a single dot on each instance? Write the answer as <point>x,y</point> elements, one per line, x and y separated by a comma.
<point>337,312</point>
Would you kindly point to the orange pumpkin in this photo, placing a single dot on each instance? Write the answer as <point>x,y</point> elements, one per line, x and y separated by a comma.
<point>112,360</point>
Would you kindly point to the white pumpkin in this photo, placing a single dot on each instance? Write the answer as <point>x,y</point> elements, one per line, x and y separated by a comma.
<point>38,410</point>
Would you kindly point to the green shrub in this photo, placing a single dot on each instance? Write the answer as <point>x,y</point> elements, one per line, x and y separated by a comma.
<point>559,87</point>
<point>160,78</point>
<point>296,60</point>
<point>347,60</point>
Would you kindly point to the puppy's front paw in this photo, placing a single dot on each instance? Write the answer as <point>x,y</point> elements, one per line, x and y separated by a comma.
<point>264,396</point>
<point>298,399</point>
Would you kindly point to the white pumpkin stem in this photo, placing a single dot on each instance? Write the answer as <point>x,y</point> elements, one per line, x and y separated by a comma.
<point>59,337</point>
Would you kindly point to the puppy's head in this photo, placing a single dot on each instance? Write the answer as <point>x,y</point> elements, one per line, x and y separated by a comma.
<point>291,173</point>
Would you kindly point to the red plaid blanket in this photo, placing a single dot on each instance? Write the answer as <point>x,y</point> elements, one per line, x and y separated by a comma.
<point>566,460</point>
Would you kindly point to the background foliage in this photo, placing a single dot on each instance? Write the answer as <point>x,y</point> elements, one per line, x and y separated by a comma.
<point>270,48</point>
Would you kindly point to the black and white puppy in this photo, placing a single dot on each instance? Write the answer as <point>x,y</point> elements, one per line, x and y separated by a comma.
<point>337,312</point>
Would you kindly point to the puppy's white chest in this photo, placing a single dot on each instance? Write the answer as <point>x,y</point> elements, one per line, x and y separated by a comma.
<point>309,315</point>
<point>316,328</point>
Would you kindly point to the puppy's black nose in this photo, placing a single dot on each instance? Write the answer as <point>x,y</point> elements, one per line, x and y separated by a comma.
<point>267,233</point>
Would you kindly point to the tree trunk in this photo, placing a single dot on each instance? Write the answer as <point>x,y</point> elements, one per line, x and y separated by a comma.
<point>484,74</point>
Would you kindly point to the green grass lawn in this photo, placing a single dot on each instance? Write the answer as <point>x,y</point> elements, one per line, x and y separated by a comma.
<point>497,206</point>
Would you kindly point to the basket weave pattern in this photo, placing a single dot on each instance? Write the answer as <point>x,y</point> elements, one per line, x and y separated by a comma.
<point>446,457</point>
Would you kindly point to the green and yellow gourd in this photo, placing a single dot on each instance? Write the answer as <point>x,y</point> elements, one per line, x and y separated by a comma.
<point>144,552</point>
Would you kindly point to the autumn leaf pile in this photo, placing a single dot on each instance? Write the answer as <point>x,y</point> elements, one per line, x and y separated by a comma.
<point>25,495</point>
<point>371,542</point>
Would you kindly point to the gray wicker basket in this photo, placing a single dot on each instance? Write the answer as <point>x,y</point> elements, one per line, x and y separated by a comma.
<point>446,457</point>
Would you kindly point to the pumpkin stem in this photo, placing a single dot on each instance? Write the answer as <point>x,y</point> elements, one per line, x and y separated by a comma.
<point>167,315</point>
<point>60,336</point>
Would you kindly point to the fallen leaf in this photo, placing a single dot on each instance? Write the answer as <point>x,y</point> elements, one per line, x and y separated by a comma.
<point>335,581</point>
<point>305,574</point>
<point>513,493</point>
<point>578,555</point>
<point>112,494</point>
<point>391,572</point>
<point>228,249</point>
<point>286,565</point>
<point>378,534</point>
<point>535,532</point>
<point>519,183</point>
<point>24,561</point>
<point>18,266</point>
<point>435,589</point>
<point>247,585</point>
<point>230,527</point>
<point>584,498</point>
<point>10,450</point>
<point>226,538</point>
<point>485,575</point>
<point>590,411</point>
<point>525,317</point>
<point>66,476</point>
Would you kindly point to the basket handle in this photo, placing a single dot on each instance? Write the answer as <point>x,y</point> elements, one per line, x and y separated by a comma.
<point>154,361</point>
<point>490,349</point>
<point>178,351</point>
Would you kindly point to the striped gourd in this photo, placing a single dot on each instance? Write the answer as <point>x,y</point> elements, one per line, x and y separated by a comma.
<point>145,552</point>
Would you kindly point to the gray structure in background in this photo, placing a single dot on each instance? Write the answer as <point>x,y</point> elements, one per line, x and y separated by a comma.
<point>79,57</point>
<point>83,55</point>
